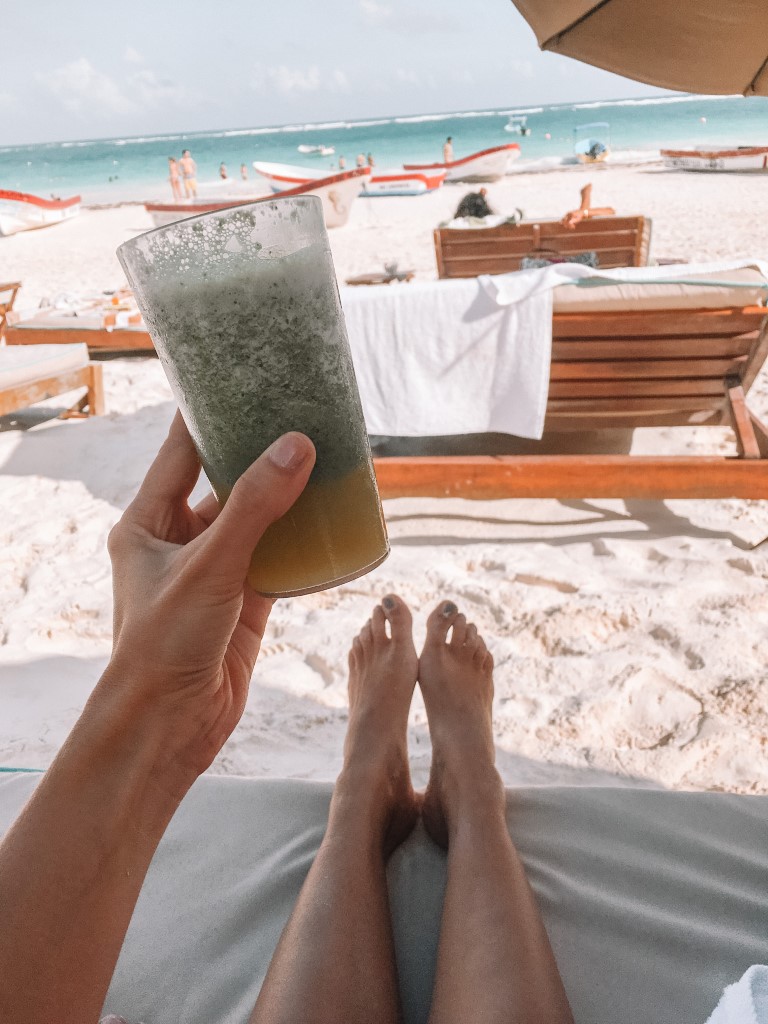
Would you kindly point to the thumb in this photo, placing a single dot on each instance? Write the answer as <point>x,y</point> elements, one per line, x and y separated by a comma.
<point>263,493</point>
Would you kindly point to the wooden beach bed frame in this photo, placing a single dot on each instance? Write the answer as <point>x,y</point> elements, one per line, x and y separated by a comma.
<point>641,368</point>
<point>37,385</point>
<point>616,241</point>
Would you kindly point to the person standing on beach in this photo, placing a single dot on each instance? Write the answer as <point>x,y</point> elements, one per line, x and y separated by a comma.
<point>189,174</point>
<point>342,163</point>
<point>223,171</point>
<point>244,172</point>
<point>448,150</point>
<point>173,177</point>
<point>360,160</point>
<point>370,160</point>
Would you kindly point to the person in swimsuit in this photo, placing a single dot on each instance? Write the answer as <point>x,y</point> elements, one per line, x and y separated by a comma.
<point>187,634</point>
<point>189,174</point>
<point>243,172</point>
<point>173,177</point>
<point>448,151</point>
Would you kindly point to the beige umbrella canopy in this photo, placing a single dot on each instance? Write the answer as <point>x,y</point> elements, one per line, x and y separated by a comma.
<point>704,46</point>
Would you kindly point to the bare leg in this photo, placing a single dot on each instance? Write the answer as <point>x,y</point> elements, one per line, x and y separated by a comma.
<point>494,963</point>
<point>335,960</point>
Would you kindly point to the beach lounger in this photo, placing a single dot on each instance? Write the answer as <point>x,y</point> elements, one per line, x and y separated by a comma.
<point>30,375</point>
<point>615,241</point>
<point>653,900</point>
<point>629,356</point>
<point>8,293</point>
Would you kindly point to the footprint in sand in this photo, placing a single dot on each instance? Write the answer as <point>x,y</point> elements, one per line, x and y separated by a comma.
<point>321,666</point>
<point>742,564</point>
<point>542,581</point>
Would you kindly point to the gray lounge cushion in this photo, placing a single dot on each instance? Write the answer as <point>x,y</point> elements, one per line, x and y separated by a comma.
<point>654,901</point>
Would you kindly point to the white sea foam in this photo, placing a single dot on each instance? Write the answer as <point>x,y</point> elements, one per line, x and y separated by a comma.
<point>647,101</point>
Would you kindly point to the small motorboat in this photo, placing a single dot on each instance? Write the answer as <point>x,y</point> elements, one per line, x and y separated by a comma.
<point>316,150</point>
<point>382,182</point>
<point>20,211</point>
<point>518,124</point>
<point>592,142</point>
<point>486,165</point>
<point>337,192</point>
<point>710,158</point>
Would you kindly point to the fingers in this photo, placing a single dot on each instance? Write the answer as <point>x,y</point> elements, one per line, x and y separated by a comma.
<point>170,479</point>
<point>262,494</point>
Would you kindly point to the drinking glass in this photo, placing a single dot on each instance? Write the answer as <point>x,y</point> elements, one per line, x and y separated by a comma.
<point>243,308</point>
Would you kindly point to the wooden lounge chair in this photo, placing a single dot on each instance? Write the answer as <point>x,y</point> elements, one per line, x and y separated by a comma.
<point>626,367</point>
<point>616,241</point>
<point>8,293</point>
<point>30,376</point>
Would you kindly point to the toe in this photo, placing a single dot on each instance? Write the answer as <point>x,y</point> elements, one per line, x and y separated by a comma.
<point>470,637</point>
<point>366,636</point>
<point>440,621</point>
<point>459,631</point>
<point>378,625</point>
<point>399,616</point>
<point>480,652</point>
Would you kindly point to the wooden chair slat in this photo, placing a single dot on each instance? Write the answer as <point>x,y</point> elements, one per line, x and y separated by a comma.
<point>592,406</point>
<point>578,389</point>
<point>717,346</point>
<point>630,369</point>
<point>654,323</point>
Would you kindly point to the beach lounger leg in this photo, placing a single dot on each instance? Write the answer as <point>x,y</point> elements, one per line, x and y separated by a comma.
<point>740,418</point>
<point>96,405</point>
<point>92,402</point>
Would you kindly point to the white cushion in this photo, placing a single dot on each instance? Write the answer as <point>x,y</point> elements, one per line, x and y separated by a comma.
<point>725,290</point>
<point>654,901</point>
<point>22,364</point>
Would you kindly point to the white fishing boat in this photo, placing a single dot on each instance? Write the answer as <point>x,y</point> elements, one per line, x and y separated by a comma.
<point>316,150</point>
<point>518,125</point>
<point>709,158</point>
<point>592,142</point>
<point>382,182</point>
<point>486,165</point>
<point>337,192</point>
<point>20,211</point>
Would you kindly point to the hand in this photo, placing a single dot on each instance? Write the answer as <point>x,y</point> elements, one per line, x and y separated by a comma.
<point>187,625</point>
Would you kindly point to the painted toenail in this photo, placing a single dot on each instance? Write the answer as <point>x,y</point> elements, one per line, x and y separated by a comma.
<point>449,608</point>
<point>388,603</point>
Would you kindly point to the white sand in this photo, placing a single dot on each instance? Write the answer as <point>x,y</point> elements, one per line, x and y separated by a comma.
<point>631,639</point>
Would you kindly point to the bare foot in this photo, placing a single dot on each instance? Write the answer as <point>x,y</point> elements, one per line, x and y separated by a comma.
<point>375,781</point>
<point>456,679</point>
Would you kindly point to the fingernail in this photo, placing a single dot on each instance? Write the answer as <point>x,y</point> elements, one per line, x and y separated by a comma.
<point>288,452</point>
<point>388,603</point>
<point>449,608</point>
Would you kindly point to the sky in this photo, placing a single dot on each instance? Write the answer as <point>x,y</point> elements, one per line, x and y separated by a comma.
<point>152,67</point>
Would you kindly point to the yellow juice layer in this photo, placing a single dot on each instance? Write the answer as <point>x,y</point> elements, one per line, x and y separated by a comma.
<point>333,532</point>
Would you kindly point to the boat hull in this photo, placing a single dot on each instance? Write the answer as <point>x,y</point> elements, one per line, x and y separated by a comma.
<point>402,183</point>
<point>752,159</point>
<point>394,182</point>
<point>337,193</point>
<point>486,165</point>
<point>20,211</point>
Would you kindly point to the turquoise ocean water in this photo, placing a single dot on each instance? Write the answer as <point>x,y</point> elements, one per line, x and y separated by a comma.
<point>121,169</point>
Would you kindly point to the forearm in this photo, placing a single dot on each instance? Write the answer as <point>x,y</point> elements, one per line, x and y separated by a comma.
<point>72,866</point>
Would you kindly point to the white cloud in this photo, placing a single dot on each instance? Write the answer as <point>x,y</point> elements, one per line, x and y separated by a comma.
<point>286,80</point>
<point>153,91</point>
<point>408,76</point>
<point>375,12</point>
<point>81,88</point>
<point>7,101</point>
<point>521,68</point>
<point>132,56</point>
